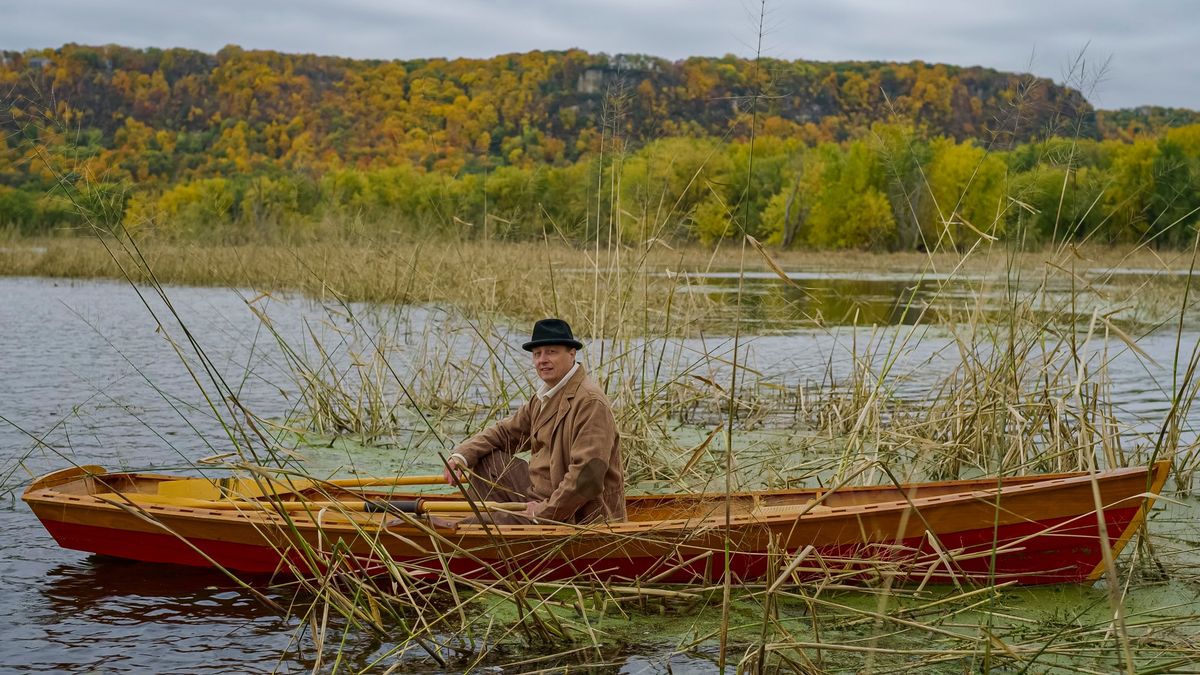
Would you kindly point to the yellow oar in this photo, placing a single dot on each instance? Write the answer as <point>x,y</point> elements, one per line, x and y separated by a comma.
<point>250,488</point>
<point>368,506</point>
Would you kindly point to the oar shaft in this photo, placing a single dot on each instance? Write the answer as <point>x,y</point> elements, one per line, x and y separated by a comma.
<point>377,481</point>
<point>435,506</point>
<point>408,506</point>
<point>253,488</point>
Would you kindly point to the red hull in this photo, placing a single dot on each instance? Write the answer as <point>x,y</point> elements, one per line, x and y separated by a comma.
<point>1062,550</point>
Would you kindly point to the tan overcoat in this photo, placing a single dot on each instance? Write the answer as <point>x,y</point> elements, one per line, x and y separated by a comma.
<point>575,453</point>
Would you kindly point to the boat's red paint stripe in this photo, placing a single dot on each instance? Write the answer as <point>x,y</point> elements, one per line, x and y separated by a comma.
<point>160,547</point>
<point>1050,551</point>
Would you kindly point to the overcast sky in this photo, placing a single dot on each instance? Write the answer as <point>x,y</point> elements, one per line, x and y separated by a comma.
<point>1134,52</point>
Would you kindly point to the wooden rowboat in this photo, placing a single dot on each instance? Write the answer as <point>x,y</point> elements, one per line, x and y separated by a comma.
<point>1030,529</point>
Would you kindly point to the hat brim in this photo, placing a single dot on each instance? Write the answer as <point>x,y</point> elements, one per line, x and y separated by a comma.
<point>573,344</point>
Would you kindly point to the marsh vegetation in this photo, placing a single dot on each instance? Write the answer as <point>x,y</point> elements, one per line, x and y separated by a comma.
<point>1004,364</point>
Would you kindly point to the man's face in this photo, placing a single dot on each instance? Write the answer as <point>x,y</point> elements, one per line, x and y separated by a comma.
<point>552,362</point>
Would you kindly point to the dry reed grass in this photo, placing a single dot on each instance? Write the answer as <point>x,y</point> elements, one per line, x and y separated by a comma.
<point>1028,394</point>
<point>523,281</point>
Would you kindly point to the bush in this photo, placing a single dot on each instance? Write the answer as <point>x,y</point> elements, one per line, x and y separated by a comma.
<point>193,208</point>
<point>18,208</point>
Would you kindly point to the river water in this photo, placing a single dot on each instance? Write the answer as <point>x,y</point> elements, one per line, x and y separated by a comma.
<point>89,377</point>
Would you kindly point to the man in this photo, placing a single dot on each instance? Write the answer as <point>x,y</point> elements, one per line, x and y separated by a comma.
<point>574,473</point>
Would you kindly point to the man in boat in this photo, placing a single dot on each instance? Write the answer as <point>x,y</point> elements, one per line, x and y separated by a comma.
<point>574,473</point>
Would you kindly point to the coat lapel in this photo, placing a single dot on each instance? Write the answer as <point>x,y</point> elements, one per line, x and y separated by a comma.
<point>564,400</point>
<point>561,403</point>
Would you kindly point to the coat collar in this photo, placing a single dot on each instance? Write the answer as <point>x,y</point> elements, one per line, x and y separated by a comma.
<point>562,400</point>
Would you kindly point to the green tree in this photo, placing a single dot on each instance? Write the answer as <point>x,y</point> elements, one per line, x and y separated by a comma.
<point>17,208</point>
<point>966,190</point>
<point>850,210</point>
<point>1174,202</point>
<point>1128,195</point>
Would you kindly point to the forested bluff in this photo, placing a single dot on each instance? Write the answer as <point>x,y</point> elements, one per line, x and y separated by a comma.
<point>887,156</point>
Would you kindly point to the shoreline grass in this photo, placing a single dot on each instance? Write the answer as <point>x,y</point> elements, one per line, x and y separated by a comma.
<point>525,281</point>
<point>213,263</point>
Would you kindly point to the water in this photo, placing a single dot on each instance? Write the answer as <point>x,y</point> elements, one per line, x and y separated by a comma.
<point>824,298</point>
<point>87,378</point>
<point>66,384</point>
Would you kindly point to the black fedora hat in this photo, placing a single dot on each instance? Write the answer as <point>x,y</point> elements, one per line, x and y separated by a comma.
<point>552,332</point>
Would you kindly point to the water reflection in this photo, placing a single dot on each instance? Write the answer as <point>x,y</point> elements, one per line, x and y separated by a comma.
<point>825,301</point>
<point>878,299</point>
<point>104,615</point>
<point>111,590</point>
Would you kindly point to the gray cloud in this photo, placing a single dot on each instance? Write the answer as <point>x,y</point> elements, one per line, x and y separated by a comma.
<point>1149,43</point>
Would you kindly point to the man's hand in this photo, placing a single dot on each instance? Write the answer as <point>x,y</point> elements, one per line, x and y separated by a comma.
<point>455,470</point>
<point>530,509</point>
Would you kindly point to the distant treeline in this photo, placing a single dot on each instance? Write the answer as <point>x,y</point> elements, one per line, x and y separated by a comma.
<point>845,155</point>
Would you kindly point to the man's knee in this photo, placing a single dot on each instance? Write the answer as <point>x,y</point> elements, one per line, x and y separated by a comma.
<point>496,464</point>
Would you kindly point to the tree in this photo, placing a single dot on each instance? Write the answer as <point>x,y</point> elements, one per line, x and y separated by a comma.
<point>17,208</point>
<point>1174,201</point>
<point>1132,182</point>
<point>850,209</point>
<point>904,154</point>
<point>966,190</point>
